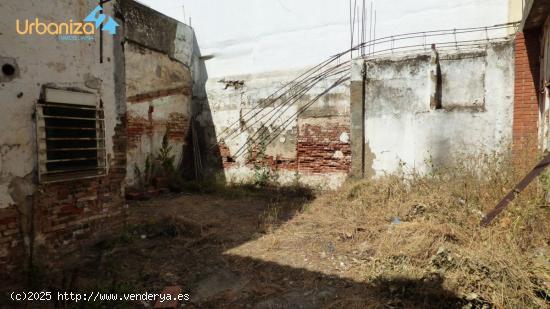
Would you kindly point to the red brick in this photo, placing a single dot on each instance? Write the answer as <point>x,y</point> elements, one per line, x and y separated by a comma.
<point>526,86</point>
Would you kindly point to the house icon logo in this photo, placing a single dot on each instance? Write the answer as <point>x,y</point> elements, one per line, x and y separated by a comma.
<point>98,18</point>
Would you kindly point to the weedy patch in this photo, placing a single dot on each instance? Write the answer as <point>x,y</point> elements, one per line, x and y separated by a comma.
<point>420,226</point>
<point>399,241</point>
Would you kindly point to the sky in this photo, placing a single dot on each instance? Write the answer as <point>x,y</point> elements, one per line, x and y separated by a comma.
<point>253,36</point>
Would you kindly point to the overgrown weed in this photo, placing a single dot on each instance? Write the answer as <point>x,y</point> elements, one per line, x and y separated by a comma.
<point>438,229</point>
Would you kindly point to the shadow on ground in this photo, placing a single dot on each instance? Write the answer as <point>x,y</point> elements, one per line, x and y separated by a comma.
<point>183,240</point>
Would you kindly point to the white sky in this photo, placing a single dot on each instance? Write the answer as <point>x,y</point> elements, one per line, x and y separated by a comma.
<point>249,36</point>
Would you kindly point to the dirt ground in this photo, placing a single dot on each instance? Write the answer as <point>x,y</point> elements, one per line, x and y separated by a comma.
<point>293,248</point>
<point>235,252</point>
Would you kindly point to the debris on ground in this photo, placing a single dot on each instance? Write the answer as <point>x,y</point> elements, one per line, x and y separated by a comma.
<point>262,249</point>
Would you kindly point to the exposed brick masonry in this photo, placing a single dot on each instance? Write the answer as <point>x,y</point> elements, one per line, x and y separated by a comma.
<point>11,246</point>
<point>319,150</point>
<point>318,147</point>
<point>69,213</point>
<point>526,89</point>
<point>177,123</point>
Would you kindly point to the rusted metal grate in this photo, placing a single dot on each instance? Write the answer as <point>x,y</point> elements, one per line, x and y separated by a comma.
<point>70,136</point>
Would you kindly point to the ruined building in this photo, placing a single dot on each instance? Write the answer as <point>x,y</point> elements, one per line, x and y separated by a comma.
<point>81,114</point>
<point>85,113</point>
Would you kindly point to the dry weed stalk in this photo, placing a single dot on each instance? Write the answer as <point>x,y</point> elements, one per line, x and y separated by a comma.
<point>438,229</point>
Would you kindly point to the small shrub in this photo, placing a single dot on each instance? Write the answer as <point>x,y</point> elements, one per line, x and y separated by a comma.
<point>165,157</point>
<point>262,175</point>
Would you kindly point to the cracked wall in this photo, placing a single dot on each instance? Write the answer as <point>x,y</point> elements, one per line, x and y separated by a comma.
<point>159,84</point>
<point>62,216</point>
<point>314,143</point>
<point>405,131</point>
<point>277,39</point>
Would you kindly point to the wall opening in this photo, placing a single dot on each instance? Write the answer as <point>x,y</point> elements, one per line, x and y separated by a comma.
<point>70,137</point>
<point>8,69</point>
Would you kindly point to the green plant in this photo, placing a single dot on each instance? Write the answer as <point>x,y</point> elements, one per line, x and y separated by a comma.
<point>139,177</point>
<point>262,175</point>
<point>165,157</point>
<point>161,165</point>
<point>143,179</point>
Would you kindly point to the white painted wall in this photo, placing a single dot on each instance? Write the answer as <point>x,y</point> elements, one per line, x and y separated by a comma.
<point>45,60</point>
<point>251,36</point>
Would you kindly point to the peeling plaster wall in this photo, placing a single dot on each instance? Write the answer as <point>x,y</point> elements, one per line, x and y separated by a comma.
<point>159,101</point>
<point>159,84</point>
<point>315,143</point>
<point>402,128</point>
<point>44,60</point>
<point>278,39</point>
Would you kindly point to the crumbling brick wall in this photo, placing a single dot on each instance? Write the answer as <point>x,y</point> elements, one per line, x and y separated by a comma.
<point>70,215</point>
<point>324,148</point>
<point>177,126</point>
<point>66,216</point>
<point>158,103</point>
<point>290,129</point>
<point>58,217</point>
<point>11,242</point>
<point>158,54</point>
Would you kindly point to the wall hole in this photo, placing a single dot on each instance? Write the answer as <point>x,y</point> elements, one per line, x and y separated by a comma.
<point>8,69</point>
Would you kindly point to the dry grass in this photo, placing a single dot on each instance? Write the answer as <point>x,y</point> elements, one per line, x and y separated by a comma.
<point>438,234</point>
<point>401,241</point>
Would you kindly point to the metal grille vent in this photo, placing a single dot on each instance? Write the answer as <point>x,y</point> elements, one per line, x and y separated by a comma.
<point>71,136</point>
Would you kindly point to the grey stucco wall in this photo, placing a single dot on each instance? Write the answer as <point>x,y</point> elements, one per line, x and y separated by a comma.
<point>151,29</point>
